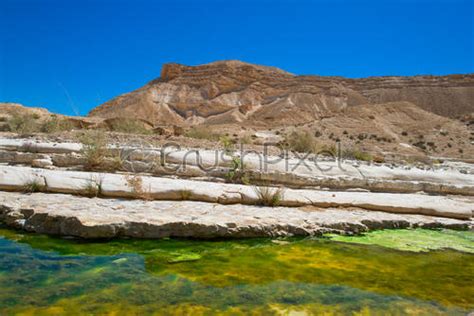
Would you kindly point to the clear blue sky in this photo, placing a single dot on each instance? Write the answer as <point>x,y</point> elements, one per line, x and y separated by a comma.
<point>70,56</point>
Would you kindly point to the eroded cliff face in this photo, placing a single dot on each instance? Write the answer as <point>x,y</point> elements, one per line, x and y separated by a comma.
<point>233,91</point>
<point>450,96</point>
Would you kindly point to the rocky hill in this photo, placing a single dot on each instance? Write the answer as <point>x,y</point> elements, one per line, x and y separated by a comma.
<point>236,92</point>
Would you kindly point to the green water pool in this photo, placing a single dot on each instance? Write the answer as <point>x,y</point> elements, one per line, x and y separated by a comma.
<point>398,272</point>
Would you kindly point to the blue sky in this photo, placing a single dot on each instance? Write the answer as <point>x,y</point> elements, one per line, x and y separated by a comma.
<point>70,56</point>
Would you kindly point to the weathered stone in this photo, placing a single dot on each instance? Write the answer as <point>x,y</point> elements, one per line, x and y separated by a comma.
<point>42,163</point>
<point>60,214</point>
<point>117,185</point>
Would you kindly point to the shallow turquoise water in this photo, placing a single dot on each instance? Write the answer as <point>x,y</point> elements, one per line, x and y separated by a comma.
<point>45,275</point>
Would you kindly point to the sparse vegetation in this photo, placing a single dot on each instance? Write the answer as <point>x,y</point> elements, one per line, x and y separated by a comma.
<point>227,144</point>
<point>128,125</point>
<point>23,123</point>
<point>94,149</point>
<point>236,173</point>
<point>420,144</point>
<point>55,124</point>
<point>362,136</point>
<point>268,196</point>
<point>327,150</point>
<point>246,139</point>
<point>378,159</point>
<point>135,182</point>
<point>185,194</point>
<point>32,186</point>
<point>202,132</point>
<point>301,141</point>
<point>92,188</point>
<point>352,153</point>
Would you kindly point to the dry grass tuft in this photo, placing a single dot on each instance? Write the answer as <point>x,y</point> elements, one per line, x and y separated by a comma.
<point>268,196</point>
<point>139,192</point>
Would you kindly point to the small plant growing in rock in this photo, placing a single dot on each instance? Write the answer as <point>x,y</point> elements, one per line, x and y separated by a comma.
<point>267,196</point>
<point>227,144</point>
<point>33,186</point>
<point>136,184</point>
<point>236,173</point>
<point>185,194</point>
<point>92,188</point>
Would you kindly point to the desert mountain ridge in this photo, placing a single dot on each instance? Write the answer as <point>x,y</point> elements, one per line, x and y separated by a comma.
<point>232,91</point>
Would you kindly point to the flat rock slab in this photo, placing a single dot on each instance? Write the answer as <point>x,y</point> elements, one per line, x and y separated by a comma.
<point>66,215</point>
<point>117,185</point>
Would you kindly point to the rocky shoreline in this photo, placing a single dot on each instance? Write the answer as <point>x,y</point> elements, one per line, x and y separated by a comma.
<point>45,188</point>
<point>90,218</point>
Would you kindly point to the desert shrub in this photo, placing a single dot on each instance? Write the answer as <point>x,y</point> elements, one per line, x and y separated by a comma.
<point>267,196</point>
<point>301,141</point>
<point>55,124</point>
<point>246,139</point>
<point>404,133</point>
<point>128,125</point>
<point>327,150</point>
<point>378,159</point>
<point>236,173</point>
<point>420,144</point>
<point>33,186</point>
<point>227,144</point>
<point>23,123</point>
<point>362,136</point>
<point>94,149</point>
<point>202,132</point>
<point>357,154</point>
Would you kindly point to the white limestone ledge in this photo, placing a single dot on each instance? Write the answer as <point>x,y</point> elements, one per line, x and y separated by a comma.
<point>15,178</point>
<point>66,215</point>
